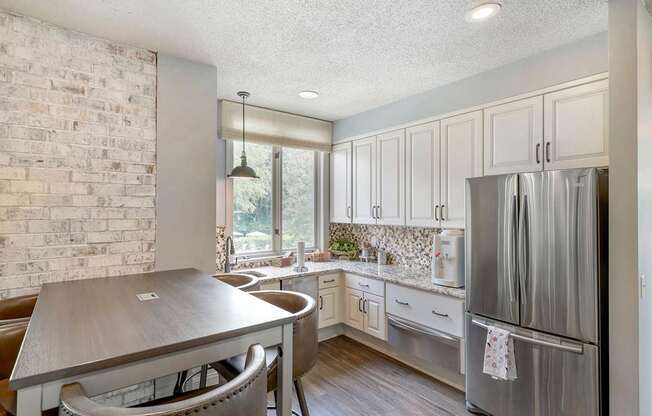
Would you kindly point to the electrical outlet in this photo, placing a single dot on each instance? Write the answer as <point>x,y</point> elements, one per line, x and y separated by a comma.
<point>147,296</point>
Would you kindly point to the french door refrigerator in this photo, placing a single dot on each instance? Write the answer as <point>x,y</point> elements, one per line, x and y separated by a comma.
<point>536,264</point>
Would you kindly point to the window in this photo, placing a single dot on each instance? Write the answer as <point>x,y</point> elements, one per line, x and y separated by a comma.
<point>283,199</point>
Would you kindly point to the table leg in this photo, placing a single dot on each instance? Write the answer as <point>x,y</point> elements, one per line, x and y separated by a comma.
<point>284,404</point>
<point>29,400</point>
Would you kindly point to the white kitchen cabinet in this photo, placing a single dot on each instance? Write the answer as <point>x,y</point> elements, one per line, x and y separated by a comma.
<point>390,194</point>
<point>364,181</point>
<point>353,314</point>
<point>422,174</point>
<point>373,307</point>
<point>576,126</point>
<point>341,183</point>
<point>329,308</point>
<point>461,158</point>
<point>513,137</point>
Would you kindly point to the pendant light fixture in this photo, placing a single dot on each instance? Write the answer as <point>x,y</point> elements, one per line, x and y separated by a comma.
<point>242,170</point>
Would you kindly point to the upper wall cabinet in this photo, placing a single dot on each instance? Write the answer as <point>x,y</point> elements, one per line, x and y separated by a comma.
<point>576,126</point>
<point>422,175</point>
<point>461,158</point>
<point>513,136</point>
<point>390,195</point>
<point>364,181</point>
<point>340,185</point>
<point>379,179</point>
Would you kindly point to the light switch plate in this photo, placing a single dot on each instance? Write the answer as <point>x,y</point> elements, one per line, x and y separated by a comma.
<point>147,296</point>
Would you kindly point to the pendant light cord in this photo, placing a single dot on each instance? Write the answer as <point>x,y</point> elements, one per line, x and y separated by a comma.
<point>243,123</point>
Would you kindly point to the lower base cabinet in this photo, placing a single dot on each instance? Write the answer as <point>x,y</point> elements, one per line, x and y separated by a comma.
<point>365,312</point>
<point>329,307</point>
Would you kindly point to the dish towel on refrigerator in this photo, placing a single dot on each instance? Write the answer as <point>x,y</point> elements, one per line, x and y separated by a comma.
<point>499,360</point>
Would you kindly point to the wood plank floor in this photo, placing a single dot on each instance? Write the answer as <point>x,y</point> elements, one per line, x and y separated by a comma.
<point>351,379</point>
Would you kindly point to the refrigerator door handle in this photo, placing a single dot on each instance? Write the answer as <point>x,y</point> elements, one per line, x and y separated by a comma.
<point>523,249</point>
<point>512,260</point>
<point>566,346</point>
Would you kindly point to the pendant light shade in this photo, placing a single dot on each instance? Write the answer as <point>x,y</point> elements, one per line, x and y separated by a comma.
<point>242,170</point>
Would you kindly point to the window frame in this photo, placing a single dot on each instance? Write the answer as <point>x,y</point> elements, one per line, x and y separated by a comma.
<point>277,203</point>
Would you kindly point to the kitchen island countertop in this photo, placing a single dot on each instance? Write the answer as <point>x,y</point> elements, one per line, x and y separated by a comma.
<point>404,276</point>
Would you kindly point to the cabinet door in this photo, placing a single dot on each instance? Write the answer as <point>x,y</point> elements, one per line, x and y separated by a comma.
<point>364,181</point>
<point>461,158</point>
<point>513,137</point>
<point>328,307</point>
<point>390,195</point>
<point>422,174</point>
<point>374,316</point>
<point>577,127</point>
<point>341,183</point>
<point>353,315</point>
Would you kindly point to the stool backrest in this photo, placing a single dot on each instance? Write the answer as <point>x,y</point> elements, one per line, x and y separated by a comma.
<point>245,395</point>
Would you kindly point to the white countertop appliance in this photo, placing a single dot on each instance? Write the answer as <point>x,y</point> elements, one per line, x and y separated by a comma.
<point>447,264</point>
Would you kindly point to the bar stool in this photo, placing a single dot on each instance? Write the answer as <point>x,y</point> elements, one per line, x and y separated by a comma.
<point>245,395</point>
<point>17,309</point>
<point>304,343</point>
<point>11,337</point>
<point>242,281</point>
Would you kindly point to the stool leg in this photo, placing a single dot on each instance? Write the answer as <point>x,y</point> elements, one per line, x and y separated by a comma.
<point>203,376</point>
<point>303,405</point>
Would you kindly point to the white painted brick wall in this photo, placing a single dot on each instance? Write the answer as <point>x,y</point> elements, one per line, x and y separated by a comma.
<point>77,155</point>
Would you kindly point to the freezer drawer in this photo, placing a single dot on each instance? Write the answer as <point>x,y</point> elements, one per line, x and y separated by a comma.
<point>559,380</point>
<point>412,339</point>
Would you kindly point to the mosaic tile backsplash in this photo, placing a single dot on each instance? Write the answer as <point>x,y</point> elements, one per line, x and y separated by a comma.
<point>406,246</point>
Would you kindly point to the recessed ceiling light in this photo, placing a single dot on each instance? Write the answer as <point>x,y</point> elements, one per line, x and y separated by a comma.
<point>483,11</point>
<point>309,95</point>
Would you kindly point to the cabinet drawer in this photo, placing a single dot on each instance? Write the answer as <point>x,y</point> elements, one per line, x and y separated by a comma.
<point>435,311</point>
<point>329,280</point>
<point>365,284</point>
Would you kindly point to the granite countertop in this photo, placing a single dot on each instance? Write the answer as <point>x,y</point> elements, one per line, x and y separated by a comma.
<point>410,277</point>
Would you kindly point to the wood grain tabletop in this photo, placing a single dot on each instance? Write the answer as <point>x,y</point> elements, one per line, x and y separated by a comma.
<point>87,325</point>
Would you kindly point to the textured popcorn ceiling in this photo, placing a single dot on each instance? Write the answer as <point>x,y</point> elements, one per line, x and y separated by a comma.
<point>358,54</point>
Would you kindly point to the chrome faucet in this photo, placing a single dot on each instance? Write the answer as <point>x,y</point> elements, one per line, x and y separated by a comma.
<point>229,251</point>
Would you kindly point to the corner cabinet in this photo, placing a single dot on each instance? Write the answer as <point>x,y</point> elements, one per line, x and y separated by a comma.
<point>513,135</point>
<point>576,126</point>
<point>341,183</point>
<point>378,179</point>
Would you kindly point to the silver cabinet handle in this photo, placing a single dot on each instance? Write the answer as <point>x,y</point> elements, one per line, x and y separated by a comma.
<point>568,347</point>
<point>364,306</point>
<point>401,303</point>
<point>321,302</point>
<point>436,212</point>
<point>441,315</point>
<point>373,211</point>
<point>329,281</point>
<point>538,149</point>
<point>349,211</point>
<point>442,213</point>
<point>548,152</point>
<point>363,284</point>
<point>360,304</point>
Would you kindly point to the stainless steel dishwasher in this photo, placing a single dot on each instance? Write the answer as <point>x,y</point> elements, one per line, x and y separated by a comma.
<point>308,285</point>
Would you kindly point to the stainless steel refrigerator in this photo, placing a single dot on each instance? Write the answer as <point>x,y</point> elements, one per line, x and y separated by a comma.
<point>536,264</point>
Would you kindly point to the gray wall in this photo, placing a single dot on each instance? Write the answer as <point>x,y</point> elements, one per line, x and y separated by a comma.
<point>623,280</point>
<point>585,57</point>
<point>186,164</point>
<point>644,47</point>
